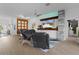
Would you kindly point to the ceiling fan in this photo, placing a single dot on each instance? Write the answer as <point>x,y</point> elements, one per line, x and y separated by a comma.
<point>47,4</point>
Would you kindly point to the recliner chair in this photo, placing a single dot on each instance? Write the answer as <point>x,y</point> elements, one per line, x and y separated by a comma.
<point>27,34</point>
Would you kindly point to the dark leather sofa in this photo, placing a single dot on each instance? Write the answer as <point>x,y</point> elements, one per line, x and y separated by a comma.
<point>41,40</point>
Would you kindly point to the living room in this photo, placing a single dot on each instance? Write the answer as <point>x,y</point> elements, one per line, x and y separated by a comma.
<point>22,22</point>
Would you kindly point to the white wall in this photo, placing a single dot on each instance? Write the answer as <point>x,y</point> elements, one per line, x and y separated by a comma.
<point>72,13</point>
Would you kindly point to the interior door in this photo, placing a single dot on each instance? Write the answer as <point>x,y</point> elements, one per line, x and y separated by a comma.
<point>21,24</point>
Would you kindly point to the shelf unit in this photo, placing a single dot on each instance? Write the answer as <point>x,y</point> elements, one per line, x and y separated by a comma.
<point>21,24</point>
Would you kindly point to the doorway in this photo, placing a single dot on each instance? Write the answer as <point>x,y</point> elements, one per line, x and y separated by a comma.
<point>72,27</point>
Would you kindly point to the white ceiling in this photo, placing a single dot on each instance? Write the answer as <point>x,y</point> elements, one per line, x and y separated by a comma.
<point>28,9</point>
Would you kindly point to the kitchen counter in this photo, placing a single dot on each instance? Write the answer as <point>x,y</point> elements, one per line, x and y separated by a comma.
<point>52,33</point>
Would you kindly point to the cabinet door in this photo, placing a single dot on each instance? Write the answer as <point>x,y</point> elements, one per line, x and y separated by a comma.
<point>22,24</point>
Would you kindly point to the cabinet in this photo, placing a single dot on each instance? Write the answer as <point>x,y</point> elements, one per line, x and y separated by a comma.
<point>21,24</point>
